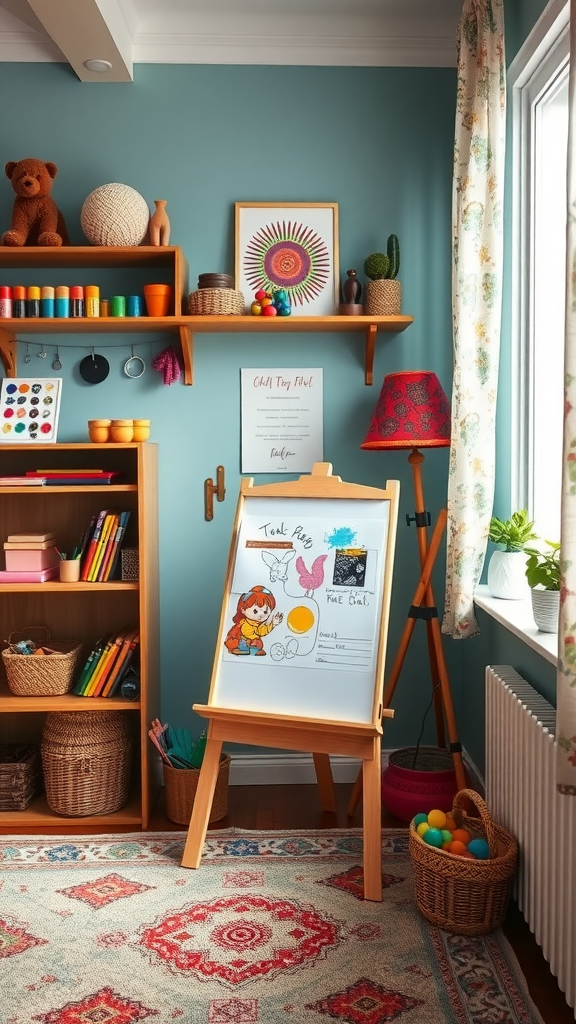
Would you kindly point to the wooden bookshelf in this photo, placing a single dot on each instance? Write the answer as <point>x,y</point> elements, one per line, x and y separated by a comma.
<point>84,611</point>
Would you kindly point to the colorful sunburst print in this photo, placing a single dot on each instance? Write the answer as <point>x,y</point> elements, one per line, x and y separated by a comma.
<point>288,255</point>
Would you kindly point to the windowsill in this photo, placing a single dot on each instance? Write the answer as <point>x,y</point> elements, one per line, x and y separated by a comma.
<point>517,617</point>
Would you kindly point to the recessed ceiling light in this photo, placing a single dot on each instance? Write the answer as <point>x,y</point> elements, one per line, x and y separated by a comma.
<point>98,65</point>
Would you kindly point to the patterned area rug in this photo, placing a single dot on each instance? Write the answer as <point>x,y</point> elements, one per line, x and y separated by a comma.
<point>271,929</point>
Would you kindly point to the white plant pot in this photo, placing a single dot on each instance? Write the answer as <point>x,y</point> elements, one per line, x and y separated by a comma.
<point>507,575</point>
<point>546,609</point>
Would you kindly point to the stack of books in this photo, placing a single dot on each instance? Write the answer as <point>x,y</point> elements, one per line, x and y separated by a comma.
<point>60,478</point>
<point>107,664</point>
<point>100,547</point>
<point>30,558</point>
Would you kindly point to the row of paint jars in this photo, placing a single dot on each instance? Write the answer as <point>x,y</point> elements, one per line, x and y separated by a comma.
<point>62,301</point>
<point>118,431</point>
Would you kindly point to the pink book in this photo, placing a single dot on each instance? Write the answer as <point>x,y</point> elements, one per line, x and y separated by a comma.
<point>29,577</point>
<point>31,560</point>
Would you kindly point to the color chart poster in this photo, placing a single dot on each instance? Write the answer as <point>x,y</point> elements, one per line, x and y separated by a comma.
<point>29,410</point>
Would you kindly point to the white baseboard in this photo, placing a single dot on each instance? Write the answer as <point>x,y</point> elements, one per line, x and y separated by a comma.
<point>288,768</point>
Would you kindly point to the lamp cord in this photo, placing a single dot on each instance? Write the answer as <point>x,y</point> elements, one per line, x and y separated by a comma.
<point>425,715</point>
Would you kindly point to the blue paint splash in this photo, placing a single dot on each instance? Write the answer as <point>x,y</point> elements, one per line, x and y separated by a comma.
<point>343,537</point>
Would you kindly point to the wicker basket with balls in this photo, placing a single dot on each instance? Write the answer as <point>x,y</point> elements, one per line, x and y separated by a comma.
<point>463,866</point>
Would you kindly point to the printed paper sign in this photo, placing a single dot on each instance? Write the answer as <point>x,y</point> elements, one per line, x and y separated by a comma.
<point>281,420</point>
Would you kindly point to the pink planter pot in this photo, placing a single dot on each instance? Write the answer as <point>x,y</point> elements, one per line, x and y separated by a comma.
<point>409,786</point>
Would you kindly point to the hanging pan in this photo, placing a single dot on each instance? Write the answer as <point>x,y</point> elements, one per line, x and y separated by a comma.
<point>94,368</point>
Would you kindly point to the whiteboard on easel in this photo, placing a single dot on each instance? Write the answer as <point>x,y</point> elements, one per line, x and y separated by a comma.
<point>305,614</point>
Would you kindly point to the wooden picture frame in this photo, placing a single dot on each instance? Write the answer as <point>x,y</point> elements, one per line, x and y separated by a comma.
<point>292,246</point>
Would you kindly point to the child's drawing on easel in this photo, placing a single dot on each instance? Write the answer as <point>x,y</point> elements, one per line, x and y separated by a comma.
<point>253,619</point>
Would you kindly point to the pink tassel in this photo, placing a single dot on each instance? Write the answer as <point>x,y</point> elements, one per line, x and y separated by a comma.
<point>168,363</point>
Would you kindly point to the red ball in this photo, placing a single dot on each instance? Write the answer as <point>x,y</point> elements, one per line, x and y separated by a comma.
<point>269,310</point>
<point>261,294</point>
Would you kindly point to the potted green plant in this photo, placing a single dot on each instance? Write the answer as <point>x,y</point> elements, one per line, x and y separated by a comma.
<point>543,574</point>
<point>383,293</point>
<point>506,569</point>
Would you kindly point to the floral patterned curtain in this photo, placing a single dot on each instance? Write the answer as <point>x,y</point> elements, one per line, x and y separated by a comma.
<point>478,187</point>
<point>566,677</point>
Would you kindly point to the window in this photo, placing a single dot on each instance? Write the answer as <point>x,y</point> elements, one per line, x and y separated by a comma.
<point>539,84</point>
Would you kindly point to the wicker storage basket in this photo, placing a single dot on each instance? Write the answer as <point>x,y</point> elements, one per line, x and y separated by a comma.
<point>86,758</point>
<point>468,897</point>
<point>181,785</point>
<point>29,675</point>
<point>210,301</point>
<point>20,775</point>
<point>382,298</point>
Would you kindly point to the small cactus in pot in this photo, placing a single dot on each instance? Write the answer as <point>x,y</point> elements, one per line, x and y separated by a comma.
<point>383,291</point>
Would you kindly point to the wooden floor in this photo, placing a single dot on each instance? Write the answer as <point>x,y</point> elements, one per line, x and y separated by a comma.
<point>297,807</point>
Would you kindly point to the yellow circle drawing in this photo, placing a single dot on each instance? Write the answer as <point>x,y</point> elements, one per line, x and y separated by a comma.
<point>300,619</point>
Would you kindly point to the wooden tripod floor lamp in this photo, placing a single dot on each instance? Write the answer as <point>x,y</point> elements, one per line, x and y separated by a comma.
<point>412,413</point>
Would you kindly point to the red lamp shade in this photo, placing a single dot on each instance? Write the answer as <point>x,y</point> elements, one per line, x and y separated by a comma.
<point>412,412</point>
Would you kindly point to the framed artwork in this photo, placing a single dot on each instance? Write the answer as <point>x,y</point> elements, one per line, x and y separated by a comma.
<point>292,246</point>
<point>29,409</point>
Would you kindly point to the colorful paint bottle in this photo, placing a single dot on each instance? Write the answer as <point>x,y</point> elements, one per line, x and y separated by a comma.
<point>47,301</point>
<point>77,300</point>
<point>18,301</point>
<point>5,301</point>
<point>118,305</point>
<point>92,300</point>
<point>134,305</point>
<point>62,303</point>
<point>33,301</point>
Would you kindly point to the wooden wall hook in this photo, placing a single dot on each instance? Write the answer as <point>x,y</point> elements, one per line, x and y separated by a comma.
<point>211,489</point>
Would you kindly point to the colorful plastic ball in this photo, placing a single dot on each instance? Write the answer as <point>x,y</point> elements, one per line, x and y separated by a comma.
<point>480,848</point>
<point>433,837</point>
<point>446,845</point>
<point>256,309</point>
<point>457,847</point>
<point>261,294</point>
<point>419,818</point>
<point>269,310</point>
<point>422,828</point>
<point>462,835</point>
<point>447,835</point>
<point>437,819</point>
<point>266,301</point>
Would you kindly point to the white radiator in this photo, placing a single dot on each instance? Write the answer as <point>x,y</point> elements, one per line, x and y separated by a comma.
<point>521,794</point>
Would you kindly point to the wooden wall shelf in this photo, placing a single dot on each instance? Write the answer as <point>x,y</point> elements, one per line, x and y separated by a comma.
<point>172,262</point>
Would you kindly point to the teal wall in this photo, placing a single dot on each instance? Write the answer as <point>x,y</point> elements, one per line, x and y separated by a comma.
<point>378,142</point>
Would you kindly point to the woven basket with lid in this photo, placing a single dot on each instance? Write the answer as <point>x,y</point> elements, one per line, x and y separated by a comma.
<point>86,759</point>
<point>219,301</point>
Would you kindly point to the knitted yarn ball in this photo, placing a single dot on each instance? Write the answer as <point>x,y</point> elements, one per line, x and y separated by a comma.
<point>115,214</point>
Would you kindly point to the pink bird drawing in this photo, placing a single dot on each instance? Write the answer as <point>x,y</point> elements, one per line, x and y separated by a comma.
<point>313,578</point>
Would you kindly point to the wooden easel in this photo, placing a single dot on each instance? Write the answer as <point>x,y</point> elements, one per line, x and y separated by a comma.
<point>323,734</point>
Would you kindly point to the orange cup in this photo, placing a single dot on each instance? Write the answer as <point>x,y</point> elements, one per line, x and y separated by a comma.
<point>157,298</point>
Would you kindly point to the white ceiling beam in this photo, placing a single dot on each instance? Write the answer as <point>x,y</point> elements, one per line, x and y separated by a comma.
<point>88,30</point>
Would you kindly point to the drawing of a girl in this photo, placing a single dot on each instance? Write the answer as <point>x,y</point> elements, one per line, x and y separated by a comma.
<point>252,621</point>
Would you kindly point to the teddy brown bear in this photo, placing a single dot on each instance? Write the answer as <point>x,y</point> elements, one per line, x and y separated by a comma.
<point>36,220</point>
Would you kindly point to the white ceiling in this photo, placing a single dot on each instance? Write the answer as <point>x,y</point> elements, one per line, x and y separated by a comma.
<point>361,33</point>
